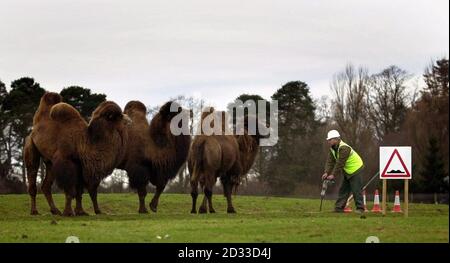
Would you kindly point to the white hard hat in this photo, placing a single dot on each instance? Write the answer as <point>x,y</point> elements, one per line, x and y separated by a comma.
<point>333,134</point>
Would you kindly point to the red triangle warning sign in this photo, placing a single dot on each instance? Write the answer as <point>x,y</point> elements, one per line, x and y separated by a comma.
<point>393,173</point>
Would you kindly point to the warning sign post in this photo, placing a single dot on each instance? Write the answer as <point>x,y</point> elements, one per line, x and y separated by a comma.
<point>395,163</point>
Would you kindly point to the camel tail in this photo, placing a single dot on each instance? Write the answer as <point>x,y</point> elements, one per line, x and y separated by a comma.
<point>197,156</point>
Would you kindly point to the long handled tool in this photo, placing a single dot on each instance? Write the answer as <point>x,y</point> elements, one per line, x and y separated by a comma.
<point>365,186</point>
<point>325,184</point>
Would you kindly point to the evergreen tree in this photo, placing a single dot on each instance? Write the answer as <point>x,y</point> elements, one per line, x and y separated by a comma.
<point>290,164</point>
<point>433,172</point>
<point>82,99</point>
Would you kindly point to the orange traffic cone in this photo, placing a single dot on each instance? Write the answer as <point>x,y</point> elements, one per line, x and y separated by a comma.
<point>397,208</point>
<point>348,208</point>
<point>376,203</point>
<point>364,201</point>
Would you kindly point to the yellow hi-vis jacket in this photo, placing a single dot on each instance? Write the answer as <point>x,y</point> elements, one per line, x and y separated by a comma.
<point>354,161</point>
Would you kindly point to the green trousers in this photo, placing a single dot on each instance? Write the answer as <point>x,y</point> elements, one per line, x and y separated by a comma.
<point>350,185</point>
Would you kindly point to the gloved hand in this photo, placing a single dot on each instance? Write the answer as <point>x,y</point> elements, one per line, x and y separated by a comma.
<point>330,177</point>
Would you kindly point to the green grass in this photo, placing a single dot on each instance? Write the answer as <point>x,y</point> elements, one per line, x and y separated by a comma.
<point>259,219</point>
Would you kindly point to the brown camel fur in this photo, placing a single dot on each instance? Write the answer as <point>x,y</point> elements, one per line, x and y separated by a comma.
<point>75,153</point>
<point>32,157</point>
<point>228,157</point>
<point>153,154</point>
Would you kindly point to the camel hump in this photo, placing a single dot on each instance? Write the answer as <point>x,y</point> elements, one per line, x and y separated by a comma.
<point>51,98</point>
<point>135,106</point>
<point>47,101</point>
<point>108,109</point>
<point>63,112</point>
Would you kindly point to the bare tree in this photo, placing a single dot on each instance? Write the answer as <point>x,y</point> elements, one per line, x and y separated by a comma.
<point>387,100</point>
<point>117,182</point>
<point>349,89</point>
<point>323,109</point>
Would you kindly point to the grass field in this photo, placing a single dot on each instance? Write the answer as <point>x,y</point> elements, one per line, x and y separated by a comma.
<point>259,219</point>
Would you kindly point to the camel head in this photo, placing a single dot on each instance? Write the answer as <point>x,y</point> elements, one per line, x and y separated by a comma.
<point>160,124</point>
<point>166,113</point>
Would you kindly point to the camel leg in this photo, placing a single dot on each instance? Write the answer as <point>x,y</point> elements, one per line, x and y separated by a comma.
<point>227,189</point>
<point>32,190</point>
<point>31,159</point>
<point>207,190</point>
<point>208,194</point>
<point>155,200</point>
<point>210,182</point>
<point>65,171</point>
<point>142,192</point>
<point>79,211</point>
<point>92,189</point>
<point>207,198</point>
<point>194,195</point>
<point>47,189</point>
<point>203,209</point>
<point>68,206</point>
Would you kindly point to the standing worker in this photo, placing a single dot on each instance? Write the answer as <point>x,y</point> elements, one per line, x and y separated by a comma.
<point>343,160</point>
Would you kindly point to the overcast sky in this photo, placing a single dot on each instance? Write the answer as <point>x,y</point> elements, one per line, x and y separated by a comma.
<point>153,50</point>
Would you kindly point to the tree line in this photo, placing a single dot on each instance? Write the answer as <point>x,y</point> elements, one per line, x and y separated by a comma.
<point>369,109</point>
